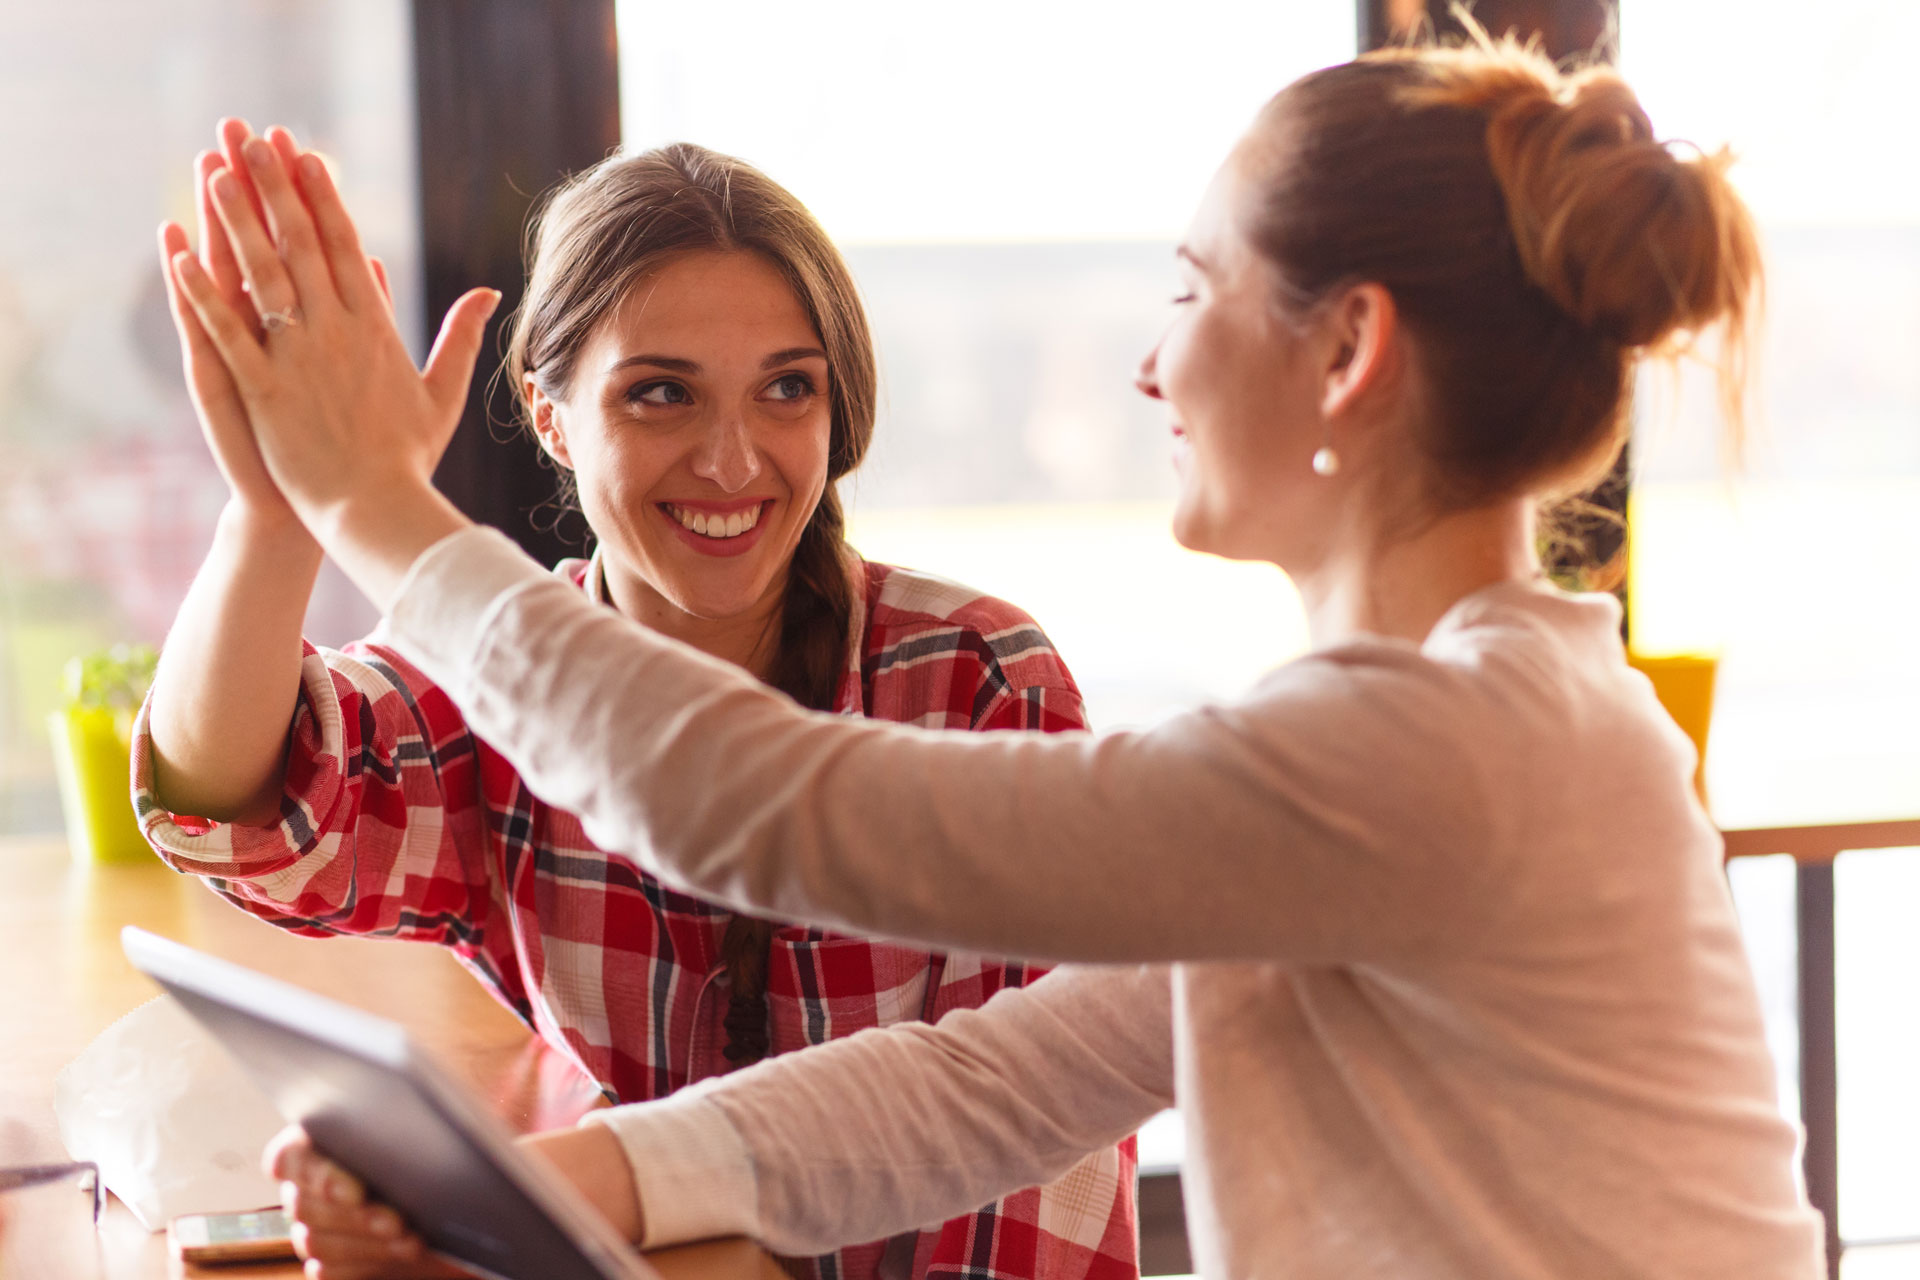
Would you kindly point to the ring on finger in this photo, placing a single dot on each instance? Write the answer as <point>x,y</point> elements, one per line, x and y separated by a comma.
<point>275,321</point>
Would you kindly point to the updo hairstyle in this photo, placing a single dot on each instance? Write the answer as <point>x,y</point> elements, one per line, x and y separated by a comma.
<point>1537,239</point>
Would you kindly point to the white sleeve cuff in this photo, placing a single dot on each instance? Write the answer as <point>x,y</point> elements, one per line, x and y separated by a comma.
<point>690,1165</point>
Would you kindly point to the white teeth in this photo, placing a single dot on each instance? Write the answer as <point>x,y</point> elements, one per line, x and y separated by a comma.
<point>716,526</point>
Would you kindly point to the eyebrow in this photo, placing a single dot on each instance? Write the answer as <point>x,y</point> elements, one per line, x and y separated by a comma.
<point>677,364</point>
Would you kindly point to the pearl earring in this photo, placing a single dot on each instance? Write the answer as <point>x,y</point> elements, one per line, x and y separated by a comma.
<point>1325,461</point>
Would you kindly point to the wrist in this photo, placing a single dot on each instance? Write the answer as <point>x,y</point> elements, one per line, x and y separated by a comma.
<point>276,528</point>
<point>376,533</point>
<point>592,1159</point>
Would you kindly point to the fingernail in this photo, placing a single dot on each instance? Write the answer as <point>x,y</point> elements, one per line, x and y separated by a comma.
<point>312,168</point>
<point>185,263</point>
<point>259,155</point>
<point>383,1222</point>
<point>225,185</point>
<point>493,304</point>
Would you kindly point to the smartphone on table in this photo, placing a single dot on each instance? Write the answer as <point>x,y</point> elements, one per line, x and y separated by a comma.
<point>262,1235</point>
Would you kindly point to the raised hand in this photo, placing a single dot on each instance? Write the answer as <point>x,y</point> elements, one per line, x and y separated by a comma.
<point>223,417</point>
<point>346,427</point>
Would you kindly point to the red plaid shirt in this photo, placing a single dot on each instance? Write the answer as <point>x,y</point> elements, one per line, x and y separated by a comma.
<point>398,822</point>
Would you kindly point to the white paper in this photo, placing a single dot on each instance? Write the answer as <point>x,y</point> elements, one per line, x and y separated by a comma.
<point>173,1124</point>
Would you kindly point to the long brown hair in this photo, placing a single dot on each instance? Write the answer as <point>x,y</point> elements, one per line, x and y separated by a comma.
<point>1536,238</point>
<point>593,239</point>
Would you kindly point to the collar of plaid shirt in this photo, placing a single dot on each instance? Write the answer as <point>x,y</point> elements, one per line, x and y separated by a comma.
<point>591,576</point>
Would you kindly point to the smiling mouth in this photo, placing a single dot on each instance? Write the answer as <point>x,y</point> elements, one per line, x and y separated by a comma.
<point>714,525</point>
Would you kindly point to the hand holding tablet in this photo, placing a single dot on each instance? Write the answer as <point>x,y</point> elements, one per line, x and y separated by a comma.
<point>371,1105</point>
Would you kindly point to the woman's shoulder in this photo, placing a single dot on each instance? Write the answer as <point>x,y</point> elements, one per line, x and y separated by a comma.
<point>908,600</point>
<point>920,623</point>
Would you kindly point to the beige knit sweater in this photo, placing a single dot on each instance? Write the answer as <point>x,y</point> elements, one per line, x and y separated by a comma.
<point>1431,943</point>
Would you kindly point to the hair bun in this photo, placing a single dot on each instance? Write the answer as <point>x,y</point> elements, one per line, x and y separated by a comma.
<point>1634,241</point>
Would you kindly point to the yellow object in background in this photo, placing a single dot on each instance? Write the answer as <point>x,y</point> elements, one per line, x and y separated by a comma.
<point>91,746</point>
<point>1684,684</point>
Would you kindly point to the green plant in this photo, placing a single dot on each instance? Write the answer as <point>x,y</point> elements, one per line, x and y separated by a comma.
<point>115,679</point>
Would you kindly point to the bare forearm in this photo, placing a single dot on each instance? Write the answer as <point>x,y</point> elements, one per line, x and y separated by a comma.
<point>229,674</point>
<point>592,1160</point>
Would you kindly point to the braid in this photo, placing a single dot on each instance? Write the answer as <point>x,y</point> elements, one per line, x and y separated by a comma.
<point>813,647</point>
<point>744,949</point>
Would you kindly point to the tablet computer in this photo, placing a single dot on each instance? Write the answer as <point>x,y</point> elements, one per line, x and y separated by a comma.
<point>376,1106</point>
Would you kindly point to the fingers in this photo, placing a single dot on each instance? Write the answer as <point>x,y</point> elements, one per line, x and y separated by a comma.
<point>233,135</point>
<point>280,138</point>
<point>231,335</point>
<point>342,1236</point>
<point>216,252</point>
<point>339,238</point>
<point>266,275</point>
<point>213,391</point>
<point>380,278</point>
<point>290,225</point>
<point>287,1151</point>
<point>449,368</point>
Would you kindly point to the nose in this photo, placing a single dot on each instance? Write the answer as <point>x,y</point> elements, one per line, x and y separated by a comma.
<point>1146,378</point>
<point>726,454</point>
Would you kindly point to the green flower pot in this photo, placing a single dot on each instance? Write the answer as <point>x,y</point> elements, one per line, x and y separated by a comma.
<point>92,741</point>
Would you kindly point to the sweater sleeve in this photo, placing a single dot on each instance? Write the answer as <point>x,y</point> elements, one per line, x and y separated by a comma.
<point>891,1129</point>
<point>380,820</point>
<point>1321,819</point>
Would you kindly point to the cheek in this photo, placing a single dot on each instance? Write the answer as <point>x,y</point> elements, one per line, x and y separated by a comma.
<point>621,474</point>
<point>799,452</point>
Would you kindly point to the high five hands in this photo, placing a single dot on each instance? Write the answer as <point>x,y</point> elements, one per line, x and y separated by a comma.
<point>312,405</point>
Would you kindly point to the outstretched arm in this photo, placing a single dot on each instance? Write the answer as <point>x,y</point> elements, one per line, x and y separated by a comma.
<point>230,670</point>
<point>348,429</point>
<point>1319,820</point>
<point>854,1140</point>
<point>890,1129</point>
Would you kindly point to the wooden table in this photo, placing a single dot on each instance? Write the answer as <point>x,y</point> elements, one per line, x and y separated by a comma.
<point>65,980</point>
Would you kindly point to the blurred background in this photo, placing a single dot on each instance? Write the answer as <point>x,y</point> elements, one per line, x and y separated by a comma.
<point>1008,181</point>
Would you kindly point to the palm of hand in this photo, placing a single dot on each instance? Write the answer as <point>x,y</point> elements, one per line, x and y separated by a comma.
<point>324,408</point>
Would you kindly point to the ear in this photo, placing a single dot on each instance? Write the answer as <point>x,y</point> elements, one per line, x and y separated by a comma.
<point>1363,349</point>
<point>547,421</point>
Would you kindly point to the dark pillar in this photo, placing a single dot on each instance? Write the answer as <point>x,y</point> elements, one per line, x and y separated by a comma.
<point>513,95</point>
<point>1820,1050</point>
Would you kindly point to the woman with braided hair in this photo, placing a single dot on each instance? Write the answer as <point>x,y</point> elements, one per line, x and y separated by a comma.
<point>692,354</point>
<point>1428,931</point>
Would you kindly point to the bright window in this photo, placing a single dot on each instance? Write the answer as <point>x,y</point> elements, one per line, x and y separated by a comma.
<point>108,495</point>
<point>1804,572</point>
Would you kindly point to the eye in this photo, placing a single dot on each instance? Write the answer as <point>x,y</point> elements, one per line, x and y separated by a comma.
<point>790,386</point>
<point>659,394</point>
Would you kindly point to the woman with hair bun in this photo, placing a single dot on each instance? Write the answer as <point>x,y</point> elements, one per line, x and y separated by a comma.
<point>693,355</point>
<point>1427,932</point>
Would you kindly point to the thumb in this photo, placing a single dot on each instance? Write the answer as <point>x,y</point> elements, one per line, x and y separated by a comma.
<point>450,365</point>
